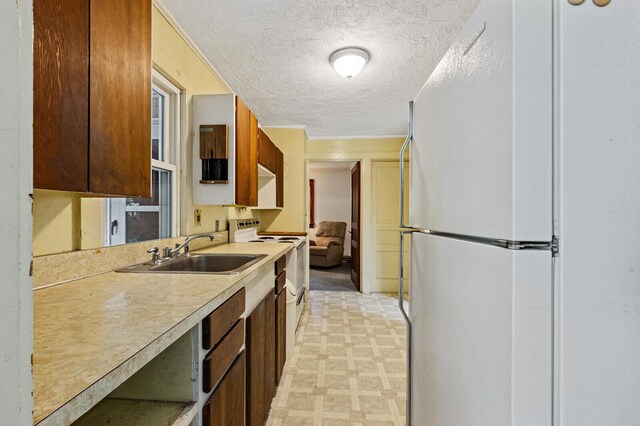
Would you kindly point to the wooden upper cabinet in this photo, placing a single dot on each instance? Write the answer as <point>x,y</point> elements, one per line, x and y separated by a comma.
<point>246,156</point>
<point>60,94</point>
<point>266,151</point>
<point>272,158</point>
<point>120,97</point>
<point>92,118</point>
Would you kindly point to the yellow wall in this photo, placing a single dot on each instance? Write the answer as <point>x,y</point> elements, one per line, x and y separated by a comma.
<point>56,222</point>
<point>366,151</point>
<point>92,222</point>
<point>292,217</point>
<point>60,225</point>
<point>175,59</point>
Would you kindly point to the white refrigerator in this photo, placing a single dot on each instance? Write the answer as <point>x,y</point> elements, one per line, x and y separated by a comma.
<point>524,220</point>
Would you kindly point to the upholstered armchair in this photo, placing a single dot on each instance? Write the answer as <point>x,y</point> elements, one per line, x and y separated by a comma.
<point>328,247</point>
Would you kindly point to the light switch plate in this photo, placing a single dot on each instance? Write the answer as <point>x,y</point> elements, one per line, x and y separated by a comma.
<point>197,217</point>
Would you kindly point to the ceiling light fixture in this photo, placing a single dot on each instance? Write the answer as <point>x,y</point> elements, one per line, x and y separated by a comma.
<point>349,61</point>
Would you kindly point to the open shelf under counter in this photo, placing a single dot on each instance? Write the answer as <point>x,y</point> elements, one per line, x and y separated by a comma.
<point>132,412</point>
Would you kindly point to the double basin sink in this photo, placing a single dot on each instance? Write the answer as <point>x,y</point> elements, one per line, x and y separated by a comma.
<point>201,263</point>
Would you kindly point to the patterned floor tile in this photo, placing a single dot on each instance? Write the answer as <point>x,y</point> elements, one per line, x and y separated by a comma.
<point>348,366</point>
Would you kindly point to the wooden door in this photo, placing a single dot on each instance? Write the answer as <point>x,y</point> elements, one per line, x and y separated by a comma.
<point>279,178</point>
<point>281,333</point>
<point>312,203</point>
<point>226,405</point>
<point>246,156</point>
<point>255,344</point>
<point>120,97</point>
<point>61,95</point>
<point>355,225</point>
<point>270,350</point>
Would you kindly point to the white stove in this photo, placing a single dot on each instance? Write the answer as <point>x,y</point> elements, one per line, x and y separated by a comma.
<point>246,230</point>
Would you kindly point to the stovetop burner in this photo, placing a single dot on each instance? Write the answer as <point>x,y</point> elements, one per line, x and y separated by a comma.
<point>288,238</point>
<point>266,238</point>
<point>255,241</point>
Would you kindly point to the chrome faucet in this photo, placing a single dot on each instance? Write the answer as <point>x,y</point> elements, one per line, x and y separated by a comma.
<point>185,245</point>
<point>155,257</point>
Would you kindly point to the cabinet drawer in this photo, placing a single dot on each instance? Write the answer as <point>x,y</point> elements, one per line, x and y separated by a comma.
<point>217,361</point>
<point>220,321</point>
<point>281,264</point>
<point>281,280</point>
<point>226,405</point>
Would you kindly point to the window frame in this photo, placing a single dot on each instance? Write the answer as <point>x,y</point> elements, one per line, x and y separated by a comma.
<point>170,159</point>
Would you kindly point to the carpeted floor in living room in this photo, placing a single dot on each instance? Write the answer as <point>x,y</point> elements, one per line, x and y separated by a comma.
<point>337,278</point>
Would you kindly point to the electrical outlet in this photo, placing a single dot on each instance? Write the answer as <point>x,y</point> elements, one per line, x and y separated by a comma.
<point>217,225</point>
<point>198,217</point>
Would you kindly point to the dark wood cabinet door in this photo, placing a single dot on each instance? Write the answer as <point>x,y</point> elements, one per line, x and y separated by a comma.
<point>281,334</point>
<point>270,350</point>
<point>226,407</point>
<point>246,156</point>
<point>256,345</point>
<point>279,178</point>
<point>120,97</point>
<point>61,94</point>
<point>263,148</point>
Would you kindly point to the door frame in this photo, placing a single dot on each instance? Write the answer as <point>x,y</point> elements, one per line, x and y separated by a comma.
<point>358,284</point>
<point>365,169</point>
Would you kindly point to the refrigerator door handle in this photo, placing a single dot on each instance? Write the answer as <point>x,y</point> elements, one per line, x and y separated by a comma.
<point>405,315</point>
<point>405,229</point>
<point>403,150</point>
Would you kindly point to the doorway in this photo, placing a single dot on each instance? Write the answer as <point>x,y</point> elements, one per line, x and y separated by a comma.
<point>334,253</point>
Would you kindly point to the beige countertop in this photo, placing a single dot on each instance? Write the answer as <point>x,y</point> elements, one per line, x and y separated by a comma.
<point>90,335</point>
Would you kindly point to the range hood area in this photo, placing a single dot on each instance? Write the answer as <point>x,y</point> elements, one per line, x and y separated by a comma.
<point>267,189</point>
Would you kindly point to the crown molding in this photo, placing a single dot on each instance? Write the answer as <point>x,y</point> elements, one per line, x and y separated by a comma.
<point>331,138</point>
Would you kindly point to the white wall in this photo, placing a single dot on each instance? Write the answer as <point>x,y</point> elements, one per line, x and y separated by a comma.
<point>332,202</point>
<point>16,170</point>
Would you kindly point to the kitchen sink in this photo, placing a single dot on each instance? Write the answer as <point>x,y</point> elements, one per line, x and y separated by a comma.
<point>205,263</point>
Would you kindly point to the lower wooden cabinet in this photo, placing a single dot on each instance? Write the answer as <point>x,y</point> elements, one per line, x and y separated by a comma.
<point>281,334</point>
<point>217,323</point>
<point>226,407</point>
<point>270,350</point>
<point>216,362</point>
<point>261,360</point>
<point>255,342</point>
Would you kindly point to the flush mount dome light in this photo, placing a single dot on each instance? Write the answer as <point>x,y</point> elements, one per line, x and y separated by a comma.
<point>349,61</point>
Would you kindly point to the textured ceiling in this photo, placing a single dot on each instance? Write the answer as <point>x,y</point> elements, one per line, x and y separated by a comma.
<point>275,55</point>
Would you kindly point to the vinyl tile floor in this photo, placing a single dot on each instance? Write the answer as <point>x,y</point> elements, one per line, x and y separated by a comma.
<point>348,366</point>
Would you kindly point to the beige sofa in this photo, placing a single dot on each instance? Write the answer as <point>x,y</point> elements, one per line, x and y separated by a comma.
<point>327,248</point>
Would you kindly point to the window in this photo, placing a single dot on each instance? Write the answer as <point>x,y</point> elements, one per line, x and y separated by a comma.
<point>139,219</point>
